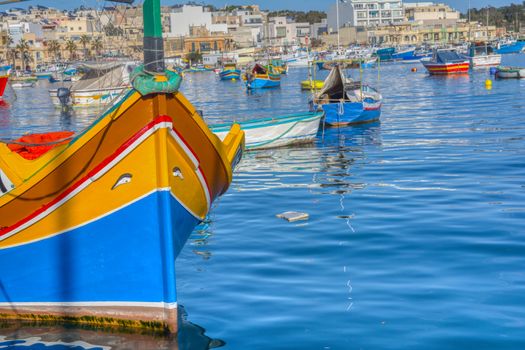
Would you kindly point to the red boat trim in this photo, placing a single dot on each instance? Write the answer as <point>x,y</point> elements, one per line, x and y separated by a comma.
<point>92,174</point>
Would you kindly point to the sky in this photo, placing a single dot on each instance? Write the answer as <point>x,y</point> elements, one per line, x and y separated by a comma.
<point>301,5</point>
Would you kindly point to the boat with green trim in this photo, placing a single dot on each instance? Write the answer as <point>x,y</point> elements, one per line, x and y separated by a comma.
<point>230,72</point>
<point>510,72</point>
<point>276,131</point>
<point>91,222</point>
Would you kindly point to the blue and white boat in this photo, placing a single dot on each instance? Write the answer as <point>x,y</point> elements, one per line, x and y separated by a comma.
<point>511,46</point>
<point>275,131</point>
<point>230,72</point>
<point>261,77</point>
<point>347,102</point>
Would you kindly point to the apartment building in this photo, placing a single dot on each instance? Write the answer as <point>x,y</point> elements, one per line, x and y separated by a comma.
<point>365,13</point>
<point>429,13</point>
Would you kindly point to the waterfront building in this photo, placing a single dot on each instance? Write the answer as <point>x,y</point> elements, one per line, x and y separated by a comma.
<point>429,13</point>
<point>282,31</point>
<point>186,16</point>
<point>201,40</point>
<point>365,13</point>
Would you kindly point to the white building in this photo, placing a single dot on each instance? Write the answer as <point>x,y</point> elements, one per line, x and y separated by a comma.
<point>430,13</point>
<point>353,13</point>
<point>184,17</point>
<point>282,31</point>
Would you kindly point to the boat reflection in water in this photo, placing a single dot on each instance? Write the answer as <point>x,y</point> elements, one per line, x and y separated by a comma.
<point>344,150</point>
<point>29,336</point>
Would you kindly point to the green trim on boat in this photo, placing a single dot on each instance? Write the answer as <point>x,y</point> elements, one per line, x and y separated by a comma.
<point>147,84</point>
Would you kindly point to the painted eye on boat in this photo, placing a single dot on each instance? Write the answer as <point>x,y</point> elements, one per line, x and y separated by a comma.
<point>178,173</point>
<point>122,180</point>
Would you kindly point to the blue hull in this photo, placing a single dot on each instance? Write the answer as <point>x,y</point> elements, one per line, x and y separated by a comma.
<point>352,113</point>
<point>117,258</point>
<point>258,83</point>
<point>320,65</point>
<point>43,75</point>
<point>405,55</point>
<point>517,47</point>
<point>230,74</point>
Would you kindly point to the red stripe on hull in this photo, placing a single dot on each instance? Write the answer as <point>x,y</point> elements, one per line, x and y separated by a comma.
<point>121,149</point>
<point>448,68</point>
<point>3,84</point>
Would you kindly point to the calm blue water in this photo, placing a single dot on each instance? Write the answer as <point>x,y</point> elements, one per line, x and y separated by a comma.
<point>416,235</point>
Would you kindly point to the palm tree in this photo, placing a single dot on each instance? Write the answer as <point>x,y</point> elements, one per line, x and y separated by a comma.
<point>84,41</point>
<point>53,46</point>
<point>23,48</point>
<point>96,45</point>
<point>71,47</point>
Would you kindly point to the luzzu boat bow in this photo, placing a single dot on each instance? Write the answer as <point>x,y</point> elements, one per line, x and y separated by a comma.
<point>90,226</point>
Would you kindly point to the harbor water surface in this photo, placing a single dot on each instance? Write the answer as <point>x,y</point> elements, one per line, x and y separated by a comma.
<point>416,229</point>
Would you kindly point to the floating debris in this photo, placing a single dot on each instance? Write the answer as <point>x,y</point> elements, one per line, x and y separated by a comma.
<point>292,216</point>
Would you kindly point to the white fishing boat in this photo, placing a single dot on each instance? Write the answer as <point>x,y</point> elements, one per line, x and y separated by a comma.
<point>483,55</point>
<point>100,85</point>
<point>275,131</point>
<point>510,72</point>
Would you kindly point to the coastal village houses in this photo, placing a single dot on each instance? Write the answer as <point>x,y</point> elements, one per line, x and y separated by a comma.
<point>39,35</point>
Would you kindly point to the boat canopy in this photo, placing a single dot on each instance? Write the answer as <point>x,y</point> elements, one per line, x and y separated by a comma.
<point>334,84</point>
<point>104,76</point>
<point>259,69</point>
<point>448,56</point>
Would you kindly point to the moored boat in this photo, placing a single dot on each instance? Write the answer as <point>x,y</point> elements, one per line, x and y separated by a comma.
<point>446,62</point>
<point>230,72</point>
<point>91,223</point>
<point>481,54</point>
<point>276,131</point>
<point>312,84</point>
<point>260,77</point>
<point>22,81</point>
<point>510,72</point>
<point>99,86</point>
<point>511,46</point>
<point>347,102</point>
<point>279,66</point>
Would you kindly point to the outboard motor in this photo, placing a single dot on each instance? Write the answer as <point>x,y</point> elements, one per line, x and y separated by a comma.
<point>64,96</point>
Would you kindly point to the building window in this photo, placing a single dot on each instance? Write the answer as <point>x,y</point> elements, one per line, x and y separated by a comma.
<point>361,14</point>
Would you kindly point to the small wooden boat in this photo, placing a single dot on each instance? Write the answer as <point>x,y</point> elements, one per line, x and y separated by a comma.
<point>312,84</point>
<point>23,82</point>
<point>481,54</point>
<point>510,72</point>
<point>91,223</point>
<point>347,102</point>
<point>279,66</point>
<point>230,72</point>
<point>446,62</point>
<point>261,77</point>
<point>277,131</point>
<point>43,75</point>
<point>101,85</point>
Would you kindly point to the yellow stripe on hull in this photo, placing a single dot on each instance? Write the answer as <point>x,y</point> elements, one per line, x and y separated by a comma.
<point>146,174</point>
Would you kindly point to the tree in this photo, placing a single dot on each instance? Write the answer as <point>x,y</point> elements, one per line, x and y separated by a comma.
<point>96,45</point>
<point>23,49</point>
<point>71,47</point>
<point>194,57</point>
<point>84,41</point>
<point>53,46</point>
